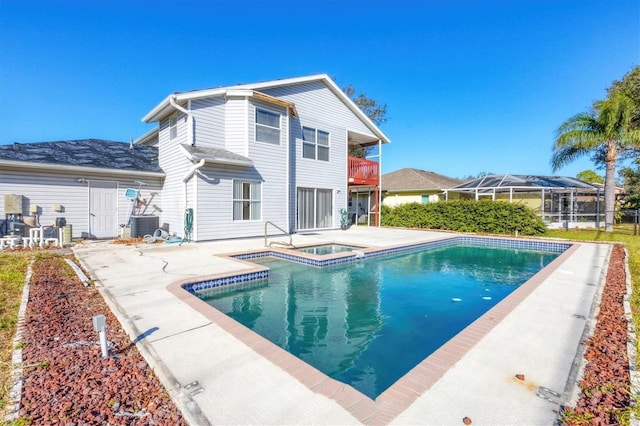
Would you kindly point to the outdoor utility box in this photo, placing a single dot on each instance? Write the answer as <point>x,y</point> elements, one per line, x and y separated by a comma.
<point>143,225</point>
<point>33,208</point>
<point>12,204</point>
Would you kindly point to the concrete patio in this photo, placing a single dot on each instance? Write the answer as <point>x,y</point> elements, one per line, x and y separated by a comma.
<point>220,373</point>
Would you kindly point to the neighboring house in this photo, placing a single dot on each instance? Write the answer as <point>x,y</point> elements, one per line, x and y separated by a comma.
<point>245,157</point>
<point>559,200</point>
<point>80,183</point>
<point>414,186</point>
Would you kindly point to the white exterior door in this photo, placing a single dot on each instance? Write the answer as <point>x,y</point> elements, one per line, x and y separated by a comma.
<point>103,209</point>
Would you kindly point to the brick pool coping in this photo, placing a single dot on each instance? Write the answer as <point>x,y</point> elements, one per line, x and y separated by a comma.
<point>399,396</point>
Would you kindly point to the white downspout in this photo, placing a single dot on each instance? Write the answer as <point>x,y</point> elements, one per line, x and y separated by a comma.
<point>288,167</point>
<point>190,139</point>
<point>186,178</point>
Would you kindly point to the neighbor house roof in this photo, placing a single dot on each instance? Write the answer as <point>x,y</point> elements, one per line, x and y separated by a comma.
<point>253,89</point>
<point>106,155</point>
<point>416,180</point>
<point>523,181</point>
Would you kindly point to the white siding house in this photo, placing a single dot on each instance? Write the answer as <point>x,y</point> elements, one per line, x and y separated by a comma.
<point>238,157</point>
<point>231,160</point>
<point>80,183</point>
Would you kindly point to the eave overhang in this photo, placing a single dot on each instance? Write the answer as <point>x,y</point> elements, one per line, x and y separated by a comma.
<point>10,164</point>
<point>164,107</point>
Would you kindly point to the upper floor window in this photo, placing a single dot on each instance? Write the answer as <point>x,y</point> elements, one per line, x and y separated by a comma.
<point>267,126</point>
<point>173,127</point>
<point>315,144</point>
<point>246,200</point>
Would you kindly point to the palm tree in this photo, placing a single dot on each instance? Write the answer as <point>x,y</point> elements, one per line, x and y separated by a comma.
<point>606,135</point>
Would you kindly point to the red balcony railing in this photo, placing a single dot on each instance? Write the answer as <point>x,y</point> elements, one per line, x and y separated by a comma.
<point>363,172</point>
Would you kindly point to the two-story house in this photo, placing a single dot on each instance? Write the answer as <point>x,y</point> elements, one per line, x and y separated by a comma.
<point>223,162</point>
<point>241,156</point>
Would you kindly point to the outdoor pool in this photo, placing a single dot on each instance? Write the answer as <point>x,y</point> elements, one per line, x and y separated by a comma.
<point>367,322</point>
<point>323,249</point>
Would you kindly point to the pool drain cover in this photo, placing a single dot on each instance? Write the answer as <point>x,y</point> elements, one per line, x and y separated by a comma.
<point>548,394</point>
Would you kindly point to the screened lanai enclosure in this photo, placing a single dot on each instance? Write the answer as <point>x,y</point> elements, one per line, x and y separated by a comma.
<point>560,201</point>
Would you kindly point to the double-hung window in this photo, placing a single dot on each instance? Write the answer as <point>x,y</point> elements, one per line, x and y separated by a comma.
<point>267,126</point>
<point>246,200</point>
<point>315,144</point>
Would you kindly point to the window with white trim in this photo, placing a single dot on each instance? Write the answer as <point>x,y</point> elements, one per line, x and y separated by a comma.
<point>173,127</point>
<point>267,126</point>
<point>315,144</point>
<point>246,200</point>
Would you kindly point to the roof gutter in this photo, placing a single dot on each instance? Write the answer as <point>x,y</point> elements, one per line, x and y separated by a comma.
<point>80,169</point>
<point>193,169</point>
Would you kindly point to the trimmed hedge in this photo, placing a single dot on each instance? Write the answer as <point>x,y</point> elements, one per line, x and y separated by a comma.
<point>492,217</point>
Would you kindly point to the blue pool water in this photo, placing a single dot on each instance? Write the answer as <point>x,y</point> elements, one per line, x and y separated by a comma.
<point>367,323</point>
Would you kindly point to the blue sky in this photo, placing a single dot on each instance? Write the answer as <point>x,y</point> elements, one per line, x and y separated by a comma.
<point>470,86</point>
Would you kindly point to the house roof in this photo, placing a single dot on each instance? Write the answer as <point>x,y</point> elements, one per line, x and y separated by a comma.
<point>523,181</point>
<point>415,180</point>
<point>252,89</point>
<point>149,138</point>
<point>84,153</point>
<point>216,155</point>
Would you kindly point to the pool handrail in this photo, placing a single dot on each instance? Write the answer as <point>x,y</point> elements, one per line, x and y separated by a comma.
<point>281,230</point>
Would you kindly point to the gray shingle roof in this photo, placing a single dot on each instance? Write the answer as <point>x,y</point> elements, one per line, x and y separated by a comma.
<point>85,153</point>
<point>416,180</point>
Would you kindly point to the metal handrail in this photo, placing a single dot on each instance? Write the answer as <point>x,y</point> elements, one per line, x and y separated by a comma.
<point>280,229</point>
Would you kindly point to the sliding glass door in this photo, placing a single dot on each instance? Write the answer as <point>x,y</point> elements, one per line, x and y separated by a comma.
<point>315,208</point>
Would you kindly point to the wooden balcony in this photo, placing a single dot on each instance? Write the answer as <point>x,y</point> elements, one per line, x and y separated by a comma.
<point>363,172</point>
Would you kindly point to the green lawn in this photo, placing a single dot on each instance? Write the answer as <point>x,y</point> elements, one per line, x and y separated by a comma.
<point>13,270</point>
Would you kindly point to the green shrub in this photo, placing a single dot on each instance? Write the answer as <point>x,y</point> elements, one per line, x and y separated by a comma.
<point>493,217</point>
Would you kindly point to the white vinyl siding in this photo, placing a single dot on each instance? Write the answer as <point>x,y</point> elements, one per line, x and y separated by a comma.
<point>215,206</point>
<point>267,126</point>
<point>175,165</point>
<point>45,189</point>
<point>246,200</point>
<point>315,100</point>
<point>209,119</point>
<point>236,123</point>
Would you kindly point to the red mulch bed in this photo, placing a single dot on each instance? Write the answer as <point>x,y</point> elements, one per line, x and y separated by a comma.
<point>606,383</point>
<point>66,381</point>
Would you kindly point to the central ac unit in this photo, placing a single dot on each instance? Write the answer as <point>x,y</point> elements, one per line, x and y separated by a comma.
<point>143,225</point>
